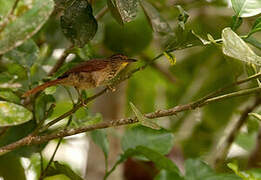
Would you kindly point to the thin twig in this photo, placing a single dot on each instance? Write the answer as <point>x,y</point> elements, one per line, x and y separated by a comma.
<point>60,62</point>
<point>55,151</point>
<point>101,13</point>
<point>38,139</point>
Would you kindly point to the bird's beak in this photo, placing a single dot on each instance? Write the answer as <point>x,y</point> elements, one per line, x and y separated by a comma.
<point>132,60</point>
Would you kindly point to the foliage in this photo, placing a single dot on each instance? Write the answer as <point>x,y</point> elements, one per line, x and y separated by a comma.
<point>182,96</point>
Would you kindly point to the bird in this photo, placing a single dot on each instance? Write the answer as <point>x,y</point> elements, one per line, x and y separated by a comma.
<point>89,74</point>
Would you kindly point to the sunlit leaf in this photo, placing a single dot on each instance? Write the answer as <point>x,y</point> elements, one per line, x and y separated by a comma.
<point>256,115</point>
<point>143,120</point>
<point>241,174</point>
<point>78,23</point>
<point>123,11</point>
<point>235,47</point>
<point>204,41</point>
<point>9,96</point>
<point>26,25</point>
<point>157,23</point>
<point>246,8</point>
<point>158,140</point>
<point>13,114</point>
<point>58,177</point>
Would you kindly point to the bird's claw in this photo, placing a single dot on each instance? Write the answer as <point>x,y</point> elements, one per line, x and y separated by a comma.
<point>111,88</point>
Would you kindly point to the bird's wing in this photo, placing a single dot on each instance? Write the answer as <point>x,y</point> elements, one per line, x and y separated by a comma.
<point>88,66</point>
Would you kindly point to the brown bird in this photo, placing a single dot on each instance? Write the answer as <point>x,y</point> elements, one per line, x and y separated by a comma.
<point>89,74</point>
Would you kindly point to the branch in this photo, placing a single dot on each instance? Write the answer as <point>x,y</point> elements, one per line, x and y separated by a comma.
<point>101,13</point>
<point>38,139</point>
<point>222,154</point>
<point>60,62</point>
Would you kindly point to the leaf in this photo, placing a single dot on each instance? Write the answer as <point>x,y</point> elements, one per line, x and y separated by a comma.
<point>256,27</point>
<point>57,177</point>
<point>18,132</point>
<point>253,42</point>
<point>160,160</point>
<point>78,23</point>
<point>236,22</point>
<point>25,54</point>
<point>157,23</point>
<point>235,47</point>
<point>257,116</point>
<point>183,17</point>
<point>197,170</point>
<point>13,114</point>
<point>99,137</point>
<point>204,41</point>
<point>123,11</point>
<point>246,8</point>
<point>66,170</point>
<point>26,25</point>
<point>9,96</point>
<point>168,175</point>
<point>172,59</point>
<point>242,174</point>
<point>40,107</point>
<point>10,163</point>
<point>157,140</point>
<point>143,120</point>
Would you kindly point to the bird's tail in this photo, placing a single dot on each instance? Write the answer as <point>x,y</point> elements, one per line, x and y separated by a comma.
<point>41,87</point>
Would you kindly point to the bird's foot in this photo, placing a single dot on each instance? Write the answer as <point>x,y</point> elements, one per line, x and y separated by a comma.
<point>111,88</point>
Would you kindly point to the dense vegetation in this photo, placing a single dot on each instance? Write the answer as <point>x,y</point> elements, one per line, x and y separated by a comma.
<point>188,109</point>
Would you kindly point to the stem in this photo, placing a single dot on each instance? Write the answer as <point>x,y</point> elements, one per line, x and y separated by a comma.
<point>38,139</point>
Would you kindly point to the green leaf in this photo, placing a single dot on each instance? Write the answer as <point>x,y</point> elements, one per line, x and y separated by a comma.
<point>256,27</point>
<point>13,114</point>
<point>256,115</point>
<point>9,96</point>
<point>168,175</point>
<point>26,25</point>
<point>9,164</point>
<point>99,137</point>
<point>183,17</point>
<point>143,120</point>
<point>58,177</point>
<point>197,170</point>
<point>41,106</point>
<point>157,23</point>
<point>246,8</point>
<point>235,47</point>
<point>78,23</point>
<point>157,140</point>
<point>236,22</point>
<point>123,11</point>
<point>66,170</point>
<point>160,160</point>
<point>242,174</point>
<point>204,41</point>
<point>25,54</point>
<point>253,42</point>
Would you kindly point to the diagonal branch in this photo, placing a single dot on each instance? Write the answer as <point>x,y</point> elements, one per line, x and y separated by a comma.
<point>38,139</point>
